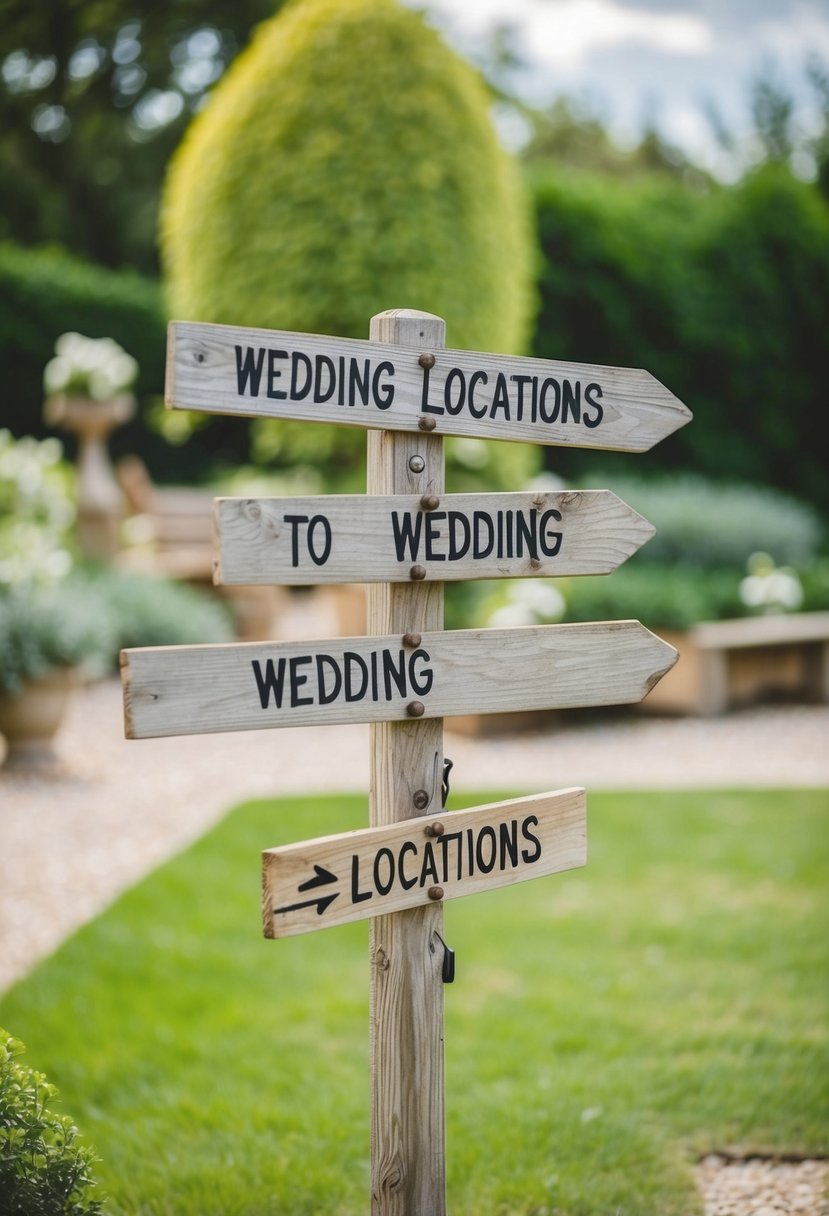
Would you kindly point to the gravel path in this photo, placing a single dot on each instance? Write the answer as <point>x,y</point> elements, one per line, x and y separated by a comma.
<point>111,810</point>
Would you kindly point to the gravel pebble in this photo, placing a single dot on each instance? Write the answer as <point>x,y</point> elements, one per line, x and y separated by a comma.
<point>757,1186</point>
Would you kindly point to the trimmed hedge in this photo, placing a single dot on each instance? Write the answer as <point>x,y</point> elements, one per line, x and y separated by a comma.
<point>347,164</point>
<point>45,292</point>
<point>724,297</point>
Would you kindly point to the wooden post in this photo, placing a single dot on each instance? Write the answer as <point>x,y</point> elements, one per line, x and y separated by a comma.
<point>408,1170</point>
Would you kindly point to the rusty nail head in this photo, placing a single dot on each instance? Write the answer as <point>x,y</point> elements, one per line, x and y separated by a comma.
<point>435,892</point>
<point>535,564</point>
<point>426,360</point>
<point>417,464</point>
<point>434,829</point>
<point>412,639</point>
<point>430,502</point>
<point>417,574</point>
<point>420,798</point>
<point>426,424</point>
<point>415,709</point>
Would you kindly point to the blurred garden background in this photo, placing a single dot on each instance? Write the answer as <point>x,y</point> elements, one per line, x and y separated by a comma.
<point>305,169</point>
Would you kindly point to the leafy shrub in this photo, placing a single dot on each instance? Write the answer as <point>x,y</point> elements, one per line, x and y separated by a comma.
<point>659,596</point>
<point>148,611</point>
<point>701,522</point>
<point>87,617</point>
<point>723,296</point>
<point>44,1171</point>
<point>58,624</point>
<point>346,163</point>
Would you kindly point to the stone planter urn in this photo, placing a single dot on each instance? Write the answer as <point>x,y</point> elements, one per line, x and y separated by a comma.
<point>100,503</point>
<point>30,717</point>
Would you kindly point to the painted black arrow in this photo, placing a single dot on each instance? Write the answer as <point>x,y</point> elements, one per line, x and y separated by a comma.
<point>321,879</point>
<point>322,903</point>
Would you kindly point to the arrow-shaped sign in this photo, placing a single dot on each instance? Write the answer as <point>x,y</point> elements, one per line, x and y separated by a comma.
<point>423,860</point>
<point>183,690</point>
<point>364,539</point>
<point>224,369</point>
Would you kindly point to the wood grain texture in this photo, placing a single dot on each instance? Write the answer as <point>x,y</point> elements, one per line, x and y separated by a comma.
<point>363,539</point>
<point>355,875</point>
<point>465,393</point>
<point>185,690</point>
<point>408,1137</point>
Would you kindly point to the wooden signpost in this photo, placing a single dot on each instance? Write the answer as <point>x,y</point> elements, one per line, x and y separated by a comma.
<point>405,539</point>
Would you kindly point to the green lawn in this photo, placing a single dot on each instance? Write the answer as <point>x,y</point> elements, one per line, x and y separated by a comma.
<point>606,1025</point>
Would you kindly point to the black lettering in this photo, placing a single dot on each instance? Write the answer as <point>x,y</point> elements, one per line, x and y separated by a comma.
<point>425,406</point>
<point>249,372</point>
<point>508,522</point>
<point>271,682</point>
<point>508,839</point>
<point>295,521</point>
<point>274,374</point>
<point>422,684</point>
<point>572,401</point>
<point>319,560</point>
<point>482,549</point>
<point>355,381</point>
<point>387,855</point>
<point>390,672</point>
<point>297,358</point>
<point>591,393</point>
<point>297,680</point>
<point>501,399</point>
<point>406,883</point>
<point>457,550</point>
<point>357,896</point>
<point>549,382</point>
<point>429,868</point>
<point>526,533</point>
<point>456,406</point>
<point>474,380</point>
<point>444,843</point>
<point>350,661</point>
<point>383,394</point>
<point>526,855</point>
<point>519,405</point>
<point>406,526</point>
<point>433,534</point>
<point>550,541</point>
<point>323,363</point>
<point>341,381</point>
<point>326,696</point>
<point>486,864</point>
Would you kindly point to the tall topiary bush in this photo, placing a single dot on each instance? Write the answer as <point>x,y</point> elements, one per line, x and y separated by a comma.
<point>347,164</point>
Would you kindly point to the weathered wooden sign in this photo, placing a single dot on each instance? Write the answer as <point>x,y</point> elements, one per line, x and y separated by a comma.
<point>224,369</point>
<point>186,690</point>
<point>354,875</point>
<point>405,539</point>
<point>396,538</point>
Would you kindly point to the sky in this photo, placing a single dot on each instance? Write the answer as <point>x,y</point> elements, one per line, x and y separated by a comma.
<point>663,59</point>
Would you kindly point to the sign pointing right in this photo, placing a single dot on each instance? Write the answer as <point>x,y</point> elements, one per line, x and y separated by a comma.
<point>191,690</point>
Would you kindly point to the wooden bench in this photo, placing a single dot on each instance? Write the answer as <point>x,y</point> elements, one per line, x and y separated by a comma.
<point>725,663</point>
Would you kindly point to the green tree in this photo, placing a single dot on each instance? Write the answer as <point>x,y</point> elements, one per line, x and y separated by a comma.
<point>93,99</point>
<point>347,164</point>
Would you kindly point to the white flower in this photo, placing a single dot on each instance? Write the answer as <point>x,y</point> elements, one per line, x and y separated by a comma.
<point>98,367</point>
